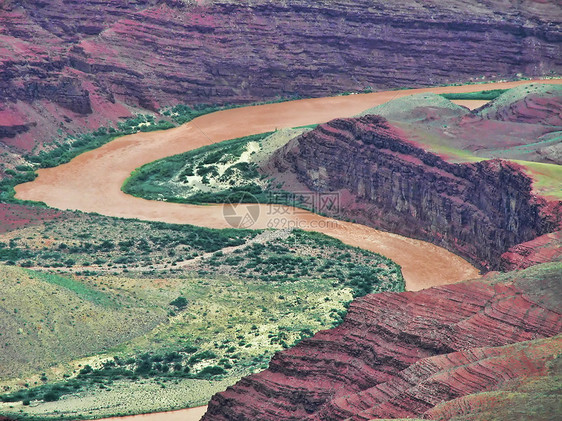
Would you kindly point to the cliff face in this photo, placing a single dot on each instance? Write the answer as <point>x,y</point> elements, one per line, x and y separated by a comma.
<point>399,355</point>
<point>477,210</point>
<point>445,380</point>
<point>61,60</point>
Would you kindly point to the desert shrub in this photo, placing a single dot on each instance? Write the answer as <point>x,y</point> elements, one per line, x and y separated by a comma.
<point>144,367</point>
<point>204,355</point>
<point>86,370</point>
<point>212,370</point>
<point>180,303</point>
<point>172,356</point>
<point>189,349</point>
<point>52,396</point>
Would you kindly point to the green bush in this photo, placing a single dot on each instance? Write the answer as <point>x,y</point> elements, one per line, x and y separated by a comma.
<point>51,396</point>
<point>180,303</point>
<point>204,355</point>
<point>212,370</point>
<point>481,95</point>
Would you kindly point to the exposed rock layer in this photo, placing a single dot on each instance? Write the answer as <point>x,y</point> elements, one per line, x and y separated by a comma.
<point>381,361</point>
<point>477,210</point>
<point>444,378</point>
<point>532,109</point>
<point>69,58</point>
<point>546,248</point>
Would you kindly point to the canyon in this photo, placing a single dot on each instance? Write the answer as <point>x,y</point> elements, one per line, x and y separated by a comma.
<point>422,185</point>
<point>471,350</point>
<point>66,66</point>
<point>391,347</point>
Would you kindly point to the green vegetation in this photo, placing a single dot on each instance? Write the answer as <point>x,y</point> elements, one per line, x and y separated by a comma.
<point>95,242</point>
<point>211,174</point>
<point>231,327</point>
<point>138,306</point>
<point>480,95</point>
<point>182,114</point>
<point>12,179</point>
<point>180,303</point>
<point>81,290</point>
<point>120,398</point>
<point>546,177</point>
<point>326,258</point>
<point>51,320</point>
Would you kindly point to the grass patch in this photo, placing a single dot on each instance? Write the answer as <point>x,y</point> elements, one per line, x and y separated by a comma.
<point>480,95</point>
<point>50,320</point>
<point>546,177</point>
<point>80,289</point>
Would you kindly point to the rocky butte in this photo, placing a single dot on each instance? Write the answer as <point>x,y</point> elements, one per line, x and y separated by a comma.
<point>75,64</point>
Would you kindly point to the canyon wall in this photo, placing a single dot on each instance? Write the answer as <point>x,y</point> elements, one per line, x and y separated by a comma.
<point>400,355</point>
<point>477,210</point>
<point>65,65</point>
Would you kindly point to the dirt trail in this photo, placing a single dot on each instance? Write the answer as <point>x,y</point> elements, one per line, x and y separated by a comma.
<point>92,183</point>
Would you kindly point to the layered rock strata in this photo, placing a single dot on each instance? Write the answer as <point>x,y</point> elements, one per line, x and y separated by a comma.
<point>61,60</point>
<point>399,355</point>
<point>478,210</point>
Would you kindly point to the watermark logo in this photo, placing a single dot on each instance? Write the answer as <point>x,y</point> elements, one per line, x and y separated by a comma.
<point>316,202</point>
<point>241,210</point>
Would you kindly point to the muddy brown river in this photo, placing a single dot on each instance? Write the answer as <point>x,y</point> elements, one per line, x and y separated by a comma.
<point>92,182</point>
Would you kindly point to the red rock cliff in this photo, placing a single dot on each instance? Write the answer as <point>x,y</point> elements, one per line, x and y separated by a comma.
<point>478,210</point>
